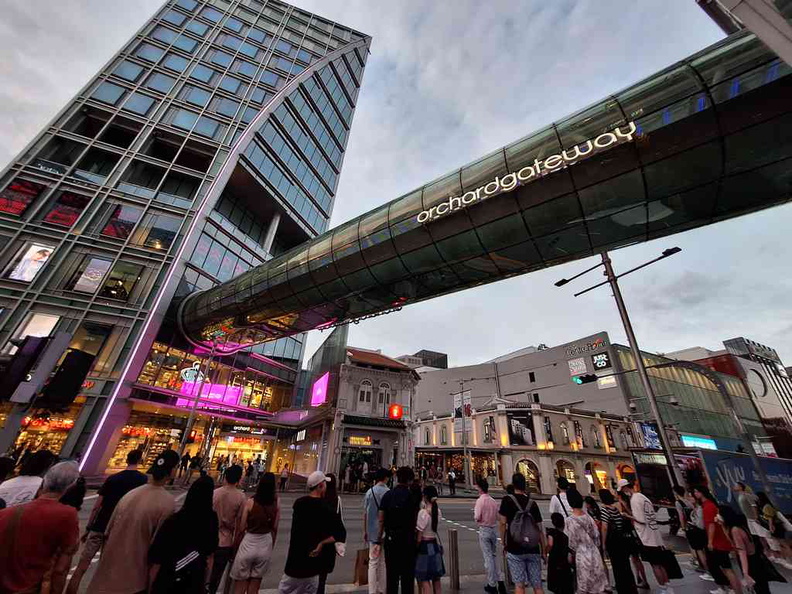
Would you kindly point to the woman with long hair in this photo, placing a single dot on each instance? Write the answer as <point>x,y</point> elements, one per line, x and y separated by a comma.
<point>256,540</point>
<point>429,566</point>
<point>584,540</point>
<point>333,503</point>
<point>719,546</point>
<point>632,542</point>
<point>181,554</point>
<point>615,530</point>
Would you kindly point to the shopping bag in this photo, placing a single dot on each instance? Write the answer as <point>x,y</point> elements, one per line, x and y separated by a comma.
<point>671,565</point>
<point>361,567</point>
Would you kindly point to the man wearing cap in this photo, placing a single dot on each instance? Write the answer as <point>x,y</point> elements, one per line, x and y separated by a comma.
<point>123,567</point>
<point>645,521</point>
<point>312,523</point>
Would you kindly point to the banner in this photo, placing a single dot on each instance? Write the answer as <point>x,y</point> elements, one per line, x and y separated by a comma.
<point>521,430</point>
<point>462,405</point>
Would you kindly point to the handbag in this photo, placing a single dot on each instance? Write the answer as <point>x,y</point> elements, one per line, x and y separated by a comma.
<point>671,565</point>
<point>361,567</point>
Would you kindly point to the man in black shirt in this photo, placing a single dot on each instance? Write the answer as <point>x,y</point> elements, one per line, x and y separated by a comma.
<point>185,461</point>
<point>110,493</point>
<point>525,561</point>
<point>312,523</point>
<point>397,514</point>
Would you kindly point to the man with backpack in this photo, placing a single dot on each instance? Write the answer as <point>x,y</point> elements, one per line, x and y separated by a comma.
<point>397,518</point>
<point>372,502</point>
<point>521,531</point>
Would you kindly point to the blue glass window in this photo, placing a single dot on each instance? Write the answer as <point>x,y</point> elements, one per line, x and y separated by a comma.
<point>202,73</point>
<point>174,18</point>
<point>165,35</point>
<point>234,24</point>
<point>175,63</point>
<point>220,58</point>
<point>259,95</point>
<point>249,50</point>
<point>282,63</point>
<point>128,70</point>
<point>139,103</point>
<point>258,35</point>
<point>270,78</point>
<point>245,68</point>
<point>186,44</point>
<point>211,14</point>
<point>227,107</point>
<point>199,29</point>
<point>207,126</point>
<point>108,93</point>
<point>304,56</point>
<point>160,82</point>
<point>230,84</point>
<point>195,95</point>
<point>149,52</point>
<point>188,5</point>
<point>184,119</point>
<point>284,46</point>
<point>249,114</point>
<point>230,41</point>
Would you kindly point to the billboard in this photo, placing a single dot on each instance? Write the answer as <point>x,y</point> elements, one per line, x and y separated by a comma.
<point>30,260</point>
<point>319,390</point>
<point>521,431</point>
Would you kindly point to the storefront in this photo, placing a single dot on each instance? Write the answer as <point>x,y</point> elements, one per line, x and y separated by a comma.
<point>44,430</point>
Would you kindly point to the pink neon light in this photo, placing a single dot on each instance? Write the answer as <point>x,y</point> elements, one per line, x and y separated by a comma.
<point>218,392</point>
<point>319,390</point>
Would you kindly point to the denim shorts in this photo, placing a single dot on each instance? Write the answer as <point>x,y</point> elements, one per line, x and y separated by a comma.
<point>525,569</point>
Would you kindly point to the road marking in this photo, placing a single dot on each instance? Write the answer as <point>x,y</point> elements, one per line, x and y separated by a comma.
<point>90,497</point>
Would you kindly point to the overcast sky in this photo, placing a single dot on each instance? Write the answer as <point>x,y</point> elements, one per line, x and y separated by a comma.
<point>448,81</point>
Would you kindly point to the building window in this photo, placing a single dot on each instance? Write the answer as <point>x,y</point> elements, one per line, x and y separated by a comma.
<point>36,324</point>
<point>160,82</point>
<point>108,93</point>
<point>489,430</point>
<point>198,28</point>
<point>185,44</point>
<point>609,437</point>
<point>623,438</point>
<point>174,18</point>
<point>90,275</point>
<point>443,435</point>
<point>160,231</point>
<point>230,84</point>
<point>67,209</point>
<point>195,95</point>
<point>121,281</point>
<point>384,394</point>
<point>177,64</point>
<point>148,52</point>
<point>565,433</point>
<point>536,398</point>
<point>531,376</point>
<point>581,442</point>
<point>548,427</point>
<point>122,221</point>
<point>202,73</point>
<point>139,103</point>
<point>18,195</point>
<point>211,14</point>
<point>595,436</point>
<point>427,439</point>
<point>365,391</point>
<point>128,71</point>
<point>29,261</point>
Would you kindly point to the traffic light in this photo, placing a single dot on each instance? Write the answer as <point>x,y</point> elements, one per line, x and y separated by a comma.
<point>65,384</point>
<point>584,379</point>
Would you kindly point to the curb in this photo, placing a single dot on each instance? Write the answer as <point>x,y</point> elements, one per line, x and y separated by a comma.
<point>345,588</point>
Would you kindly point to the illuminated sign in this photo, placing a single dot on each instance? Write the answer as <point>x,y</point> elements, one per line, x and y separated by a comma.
<point>217,392</point>
<point>319,390</point>
<point>395,411</point>
<point>577,366</point>
<point>601,361</point>
<point>360,440</point>
<point>300,435</point>
<point>579,349</point>
<point>704,443</point>
<point>538,169</point>
<point>651,437</point>
<point>192,373</point>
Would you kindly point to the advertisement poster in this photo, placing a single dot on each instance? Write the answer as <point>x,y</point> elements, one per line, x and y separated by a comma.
<point>521,431</point>
<point>727,468</point>
<point>32,259</point>
<point>92,276</point>
<point>462,404</point>
<point>651,438</point>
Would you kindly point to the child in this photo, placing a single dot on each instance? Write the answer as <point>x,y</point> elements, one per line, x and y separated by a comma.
<point>560,575</point>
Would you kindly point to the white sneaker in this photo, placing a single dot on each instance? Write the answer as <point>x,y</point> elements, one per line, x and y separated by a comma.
<point>706,577</point>
<point>718,591</point>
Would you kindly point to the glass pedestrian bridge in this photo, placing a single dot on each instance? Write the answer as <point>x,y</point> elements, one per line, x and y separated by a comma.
<point>704,140</point>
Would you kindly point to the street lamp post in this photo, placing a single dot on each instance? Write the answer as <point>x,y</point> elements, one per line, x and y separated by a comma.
<point>200,379</point>
<point>612,280</point>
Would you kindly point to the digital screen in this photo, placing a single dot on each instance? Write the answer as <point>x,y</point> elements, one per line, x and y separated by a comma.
<point>521,431</point>
<point>319,390</point>
<point>92,276</point>
<point>32,259</point>
<point>704,443</point>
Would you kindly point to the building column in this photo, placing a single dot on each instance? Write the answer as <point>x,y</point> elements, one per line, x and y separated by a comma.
<point>581,482</point>
<point>269,239</point>
<point>107,438</point>
<point>547,483</point>
<point>507,468</point>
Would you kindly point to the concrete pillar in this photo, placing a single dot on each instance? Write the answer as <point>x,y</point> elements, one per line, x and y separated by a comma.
<point>269,239</point>
<point>547,483</point>
<point>107,438</point>
<point>507,467</point>
<point>581,482</point>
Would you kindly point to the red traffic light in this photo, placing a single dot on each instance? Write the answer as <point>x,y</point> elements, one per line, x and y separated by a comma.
<point>395,411</point>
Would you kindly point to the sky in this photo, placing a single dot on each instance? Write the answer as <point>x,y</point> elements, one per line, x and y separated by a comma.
<point>447,82</point>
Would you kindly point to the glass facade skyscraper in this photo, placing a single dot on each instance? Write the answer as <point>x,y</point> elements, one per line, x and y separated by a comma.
<point>211,143</point>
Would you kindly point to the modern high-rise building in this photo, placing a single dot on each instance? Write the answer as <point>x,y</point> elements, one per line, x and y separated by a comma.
<point>209,144</point>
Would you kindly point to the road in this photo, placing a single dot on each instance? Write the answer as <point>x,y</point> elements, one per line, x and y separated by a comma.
<point>457,514</point>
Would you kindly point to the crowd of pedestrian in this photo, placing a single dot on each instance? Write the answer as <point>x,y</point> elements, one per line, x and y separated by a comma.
<point>146,543</point>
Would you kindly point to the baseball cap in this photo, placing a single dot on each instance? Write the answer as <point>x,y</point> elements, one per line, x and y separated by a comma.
<point>315,478</point>
<point>164,463</point>
<point>622,483</point>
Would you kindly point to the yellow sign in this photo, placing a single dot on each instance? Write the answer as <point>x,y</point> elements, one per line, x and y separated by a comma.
<point>356,440</point>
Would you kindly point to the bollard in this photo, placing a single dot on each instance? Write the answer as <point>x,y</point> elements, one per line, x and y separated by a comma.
<point>453,558</point>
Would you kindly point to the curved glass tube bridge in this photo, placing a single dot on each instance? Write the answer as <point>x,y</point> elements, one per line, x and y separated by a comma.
<point>701,141</point>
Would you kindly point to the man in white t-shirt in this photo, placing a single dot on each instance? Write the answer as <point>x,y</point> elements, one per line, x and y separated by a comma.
<point>645,521</point>
<point>558,502</point>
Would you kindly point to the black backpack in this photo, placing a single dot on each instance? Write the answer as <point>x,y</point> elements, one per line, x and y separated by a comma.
<point>522,529</point>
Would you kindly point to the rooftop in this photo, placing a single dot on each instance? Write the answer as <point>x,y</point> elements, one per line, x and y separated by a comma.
<point>367,357</point>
